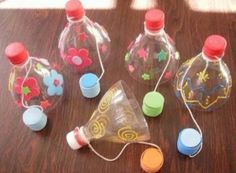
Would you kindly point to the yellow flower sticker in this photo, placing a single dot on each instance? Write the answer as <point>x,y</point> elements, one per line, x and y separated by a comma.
<point>203,76</point>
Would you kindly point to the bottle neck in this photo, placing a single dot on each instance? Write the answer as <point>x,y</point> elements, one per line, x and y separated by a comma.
<point>156,33</point>
<point>209,59</point>
<point>72,20</point>
<point>22,65</point>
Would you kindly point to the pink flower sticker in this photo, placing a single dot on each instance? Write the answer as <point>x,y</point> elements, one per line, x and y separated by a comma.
<point>104,48</point>
<point>168,75</point>
<point>79,58</point>
<point>30,88</point>
<point>131,68</point>
<point>142,54</point>
<point>83,36</point>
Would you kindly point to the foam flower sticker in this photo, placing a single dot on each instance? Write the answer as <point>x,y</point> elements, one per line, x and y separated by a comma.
<point>79,58</point>
<point>146,76</point>
<point>54,81</point>
<point>29,89</point>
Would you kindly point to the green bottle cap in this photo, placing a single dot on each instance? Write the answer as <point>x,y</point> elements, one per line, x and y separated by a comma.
<point>153,103</point>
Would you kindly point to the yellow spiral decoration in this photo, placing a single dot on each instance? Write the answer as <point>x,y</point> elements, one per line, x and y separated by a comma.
<point>98,126</point>
<point>126,134</point>
<point>96,129</point>
<point>103,120</point>
<point>106,100</point>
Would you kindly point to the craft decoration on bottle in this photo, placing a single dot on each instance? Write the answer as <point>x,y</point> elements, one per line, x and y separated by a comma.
<point>34,84</point>
<point>203,83</point>
<point>118,118</point>
<point>83,45</point>
<point>152,58</point>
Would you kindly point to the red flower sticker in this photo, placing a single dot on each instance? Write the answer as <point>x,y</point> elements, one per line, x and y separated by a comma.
<point>30,88</point>
<point>83,36</point>
<point>79,58</point>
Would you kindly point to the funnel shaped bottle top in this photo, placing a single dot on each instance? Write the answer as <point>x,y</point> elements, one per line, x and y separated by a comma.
<point>118,118</point>
<point>204,82</point>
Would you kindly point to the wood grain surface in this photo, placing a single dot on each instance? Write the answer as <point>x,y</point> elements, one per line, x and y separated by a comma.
<point>23,151</point>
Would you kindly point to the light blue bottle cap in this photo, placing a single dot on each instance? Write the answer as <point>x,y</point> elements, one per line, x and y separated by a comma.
<point>189,141</point>
<point>89,85</point>
<point>35,119</point>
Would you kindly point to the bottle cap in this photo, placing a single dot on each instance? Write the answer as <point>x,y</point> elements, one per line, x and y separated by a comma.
<point>35,119</point>
<point>76,138</point>
<point>74,9</point>
<point>153,103</point>
<point>89,85</point>
<point>154,19</point>
<point>189,141</point>
<point>151,160</point>
<point>214,47</point>
<point>16,53</point>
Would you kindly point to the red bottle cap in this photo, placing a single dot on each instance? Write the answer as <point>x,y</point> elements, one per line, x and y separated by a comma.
<point>214,47</point>
<point>74,9</point>
<point>154,19</point>
<point>16,53</point>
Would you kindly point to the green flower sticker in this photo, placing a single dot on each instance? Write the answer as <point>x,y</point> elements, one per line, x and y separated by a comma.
<point>127,55</point>
<point>161,56</point>
<point>146,76</point>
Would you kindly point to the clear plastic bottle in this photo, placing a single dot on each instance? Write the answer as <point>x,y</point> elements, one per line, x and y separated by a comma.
<point>33,82</point>
<point>81,40</point>
<point>152,56</point>
<point>205,80</point>
<point>84,45</point>
<point>118,118</point>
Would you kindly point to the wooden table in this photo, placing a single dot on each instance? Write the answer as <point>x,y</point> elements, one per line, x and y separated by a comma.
<point>22,150</point>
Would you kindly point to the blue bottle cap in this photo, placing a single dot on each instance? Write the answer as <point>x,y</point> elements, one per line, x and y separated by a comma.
<point>189,141</point>
<point>89,85</point>
<point>35,119</point>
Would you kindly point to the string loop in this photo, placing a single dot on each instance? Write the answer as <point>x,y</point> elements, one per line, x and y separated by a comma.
<point>189,110</point>
<point>169,57</point>
<point>98,51</point>
<point>122,150</point>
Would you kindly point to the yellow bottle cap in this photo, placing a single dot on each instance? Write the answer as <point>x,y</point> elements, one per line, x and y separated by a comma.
<point>152,160</point>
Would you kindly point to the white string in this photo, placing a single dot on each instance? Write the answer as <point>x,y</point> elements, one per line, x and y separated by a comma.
<point>122,150</point>
<point>22,85</point>
<point>189,110</point>
<point>97,46</point>
<point>169,54</point>
<point>98,52</point>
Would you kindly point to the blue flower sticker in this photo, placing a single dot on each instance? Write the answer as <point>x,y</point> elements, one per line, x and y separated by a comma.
<point>54,81</point>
